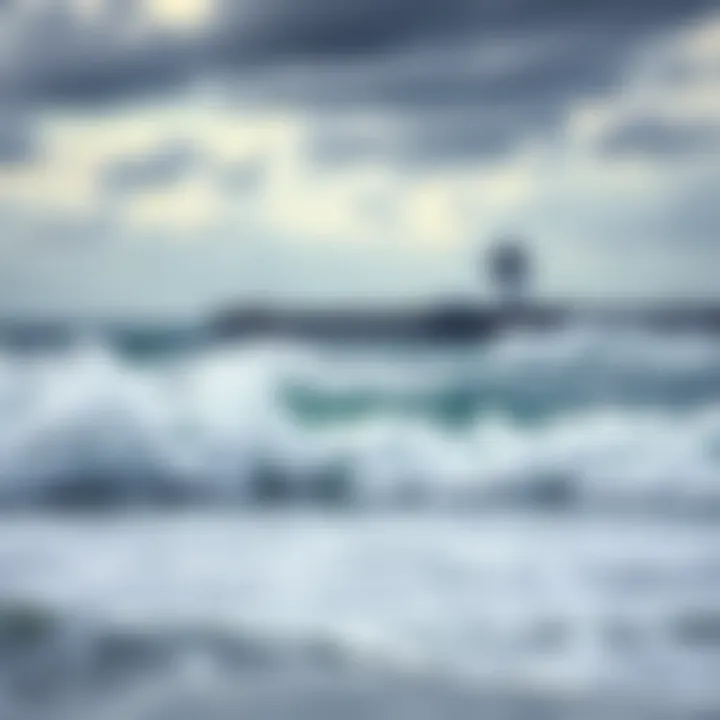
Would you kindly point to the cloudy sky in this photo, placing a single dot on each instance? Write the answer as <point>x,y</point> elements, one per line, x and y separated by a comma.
<point>163,156</point>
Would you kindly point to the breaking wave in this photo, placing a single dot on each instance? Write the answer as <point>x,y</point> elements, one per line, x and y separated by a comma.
<point>579,419</point>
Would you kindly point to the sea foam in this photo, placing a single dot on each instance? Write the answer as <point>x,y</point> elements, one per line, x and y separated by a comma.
<point>583,418</point>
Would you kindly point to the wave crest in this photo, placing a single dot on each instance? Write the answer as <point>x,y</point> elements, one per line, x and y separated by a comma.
<point>571,420</point>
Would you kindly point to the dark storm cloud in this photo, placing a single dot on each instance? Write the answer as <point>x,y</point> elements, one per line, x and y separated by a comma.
<point>453,102</point>
<point>164,165</point>
<point>18,140</point>
<point>324,28</point>
<point>455,75</point>
<point>171,162</point>
<point>61,56</point>
<point>82,73</point>
<point>467,78</point>
<point>431,137</point>
<point>652,137</point>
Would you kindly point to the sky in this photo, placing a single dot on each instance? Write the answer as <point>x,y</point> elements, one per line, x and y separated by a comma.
<point>165,157</point>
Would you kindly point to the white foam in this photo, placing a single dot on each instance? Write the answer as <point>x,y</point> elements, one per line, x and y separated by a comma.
<point>210,420</point>
<point>513,599</point>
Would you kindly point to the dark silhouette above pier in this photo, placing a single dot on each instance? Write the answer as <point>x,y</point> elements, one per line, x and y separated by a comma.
<point>507,266</point>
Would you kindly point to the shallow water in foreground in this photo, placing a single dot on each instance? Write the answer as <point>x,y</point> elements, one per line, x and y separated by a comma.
<point>552,607</point>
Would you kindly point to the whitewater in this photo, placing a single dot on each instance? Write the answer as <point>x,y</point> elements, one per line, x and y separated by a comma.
<point>276,530</point>
<point>580,419</point>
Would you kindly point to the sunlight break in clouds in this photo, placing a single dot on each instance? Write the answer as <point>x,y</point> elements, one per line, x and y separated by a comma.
<point>181,15</point>
<point>365,133</point>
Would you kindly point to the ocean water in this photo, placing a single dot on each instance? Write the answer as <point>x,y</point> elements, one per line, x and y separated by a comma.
<point>289,530</point>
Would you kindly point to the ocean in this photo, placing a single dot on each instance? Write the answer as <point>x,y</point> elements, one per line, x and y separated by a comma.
<point>521,528</point>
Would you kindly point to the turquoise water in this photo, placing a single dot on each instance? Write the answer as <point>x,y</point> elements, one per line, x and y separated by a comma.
<point>585,418</point>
